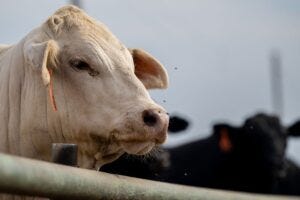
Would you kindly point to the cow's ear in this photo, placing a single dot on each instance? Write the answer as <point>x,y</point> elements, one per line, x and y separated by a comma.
<point>149,70</point>
<point>41,56</point>
<point>294,129</point>
<point>177,124</point>
<point>224,142</point>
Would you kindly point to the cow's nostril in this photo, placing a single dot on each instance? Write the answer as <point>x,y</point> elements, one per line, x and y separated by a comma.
<point>150,118</point>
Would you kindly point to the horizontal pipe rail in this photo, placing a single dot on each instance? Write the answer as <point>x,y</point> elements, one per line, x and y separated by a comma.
<point>37,178</point>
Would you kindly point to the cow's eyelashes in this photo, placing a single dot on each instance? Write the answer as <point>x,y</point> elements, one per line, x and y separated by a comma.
<point>80,65</point>
<point>93,72</point>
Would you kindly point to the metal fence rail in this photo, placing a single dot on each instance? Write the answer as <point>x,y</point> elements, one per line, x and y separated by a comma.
<point>37,178</point>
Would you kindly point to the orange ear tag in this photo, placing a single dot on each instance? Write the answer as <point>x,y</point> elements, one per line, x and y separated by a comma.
<point>224,142</point>
<point>51,95</point>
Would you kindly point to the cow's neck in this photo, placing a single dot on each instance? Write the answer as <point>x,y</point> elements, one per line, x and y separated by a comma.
<point>3,49</point>
<point>23,107</point>
<point>11,80</point>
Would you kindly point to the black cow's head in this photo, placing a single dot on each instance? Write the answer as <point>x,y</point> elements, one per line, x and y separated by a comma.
<point>261,141</point>
<point>268,139</point>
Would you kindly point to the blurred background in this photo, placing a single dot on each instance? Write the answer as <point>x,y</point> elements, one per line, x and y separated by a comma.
<point>226,59</point>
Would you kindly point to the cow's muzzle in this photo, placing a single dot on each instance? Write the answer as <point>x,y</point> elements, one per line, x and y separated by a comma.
<point>156,122</point>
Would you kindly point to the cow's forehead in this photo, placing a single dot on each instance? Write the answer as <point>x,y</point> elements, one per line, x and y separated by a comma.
<point>70,19</point>
<point>71,16</point>
<point>83,30</point>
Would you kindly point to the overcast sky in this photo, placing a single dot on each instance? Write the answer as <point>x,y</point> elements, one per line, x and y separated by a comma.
<point>216,52</point>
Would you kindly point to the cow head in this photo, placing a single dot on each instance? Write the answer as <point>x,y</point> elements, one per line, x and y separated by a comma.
<point>268,138</point>
<point>97,88</point>
<point>260,142</point>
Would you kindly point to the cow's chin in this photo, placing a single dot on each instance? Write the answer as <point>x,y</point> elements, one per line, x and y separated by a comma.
<point>137,147</point>
<point>130,147</point>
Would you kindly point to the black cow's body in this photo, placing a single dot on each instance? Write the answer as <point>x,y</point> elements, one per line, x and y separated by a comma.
<point>249,158</point>
<point>290,184</point>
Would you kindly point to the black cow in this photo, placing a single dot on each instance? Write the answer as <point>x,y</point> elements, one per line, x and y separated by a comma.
<point>248,158</point>
<point>289,184</point>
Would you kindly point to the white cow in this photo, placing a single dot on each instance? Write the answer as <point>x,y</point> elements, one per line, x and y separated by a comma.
<point>72,81</point>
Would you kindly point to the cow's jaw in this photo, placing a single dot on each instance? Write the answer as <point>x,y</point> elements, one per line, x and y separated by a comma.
<point>138,143</point>
<point>100,159</point>
<point>93,154</point>
<point>98,151</point>
<point>115,151</point>
<point>137,148</point>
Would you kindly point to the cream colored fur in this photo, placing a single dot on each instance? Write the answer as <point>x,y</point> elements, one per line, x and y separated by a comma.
<point>101,114</point>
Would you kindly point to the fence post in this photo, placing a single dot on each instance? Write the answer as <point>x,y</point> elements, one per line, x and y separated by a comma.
<point>65,154</point>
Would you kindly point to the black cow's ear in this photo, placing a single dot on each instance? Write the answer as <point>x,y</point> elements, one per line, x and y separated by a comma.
<point>223,131</point>
<point>177,124</point>
<point>294,129</point>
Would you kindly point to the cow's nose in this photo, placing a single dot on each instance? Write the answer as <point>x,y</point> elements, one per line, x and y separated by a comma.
<point>150,117</point>
<point>157,121</point>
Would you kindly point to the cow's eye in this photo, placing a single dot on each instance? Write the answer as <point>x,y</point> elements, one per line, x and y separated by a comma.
<point>80,65</point>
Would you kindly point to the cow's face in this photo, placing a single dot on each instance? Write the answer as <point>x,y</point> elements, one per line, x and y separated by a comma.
<point>268,138</point>
<point>99,97</point>
<point>261,141</point>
